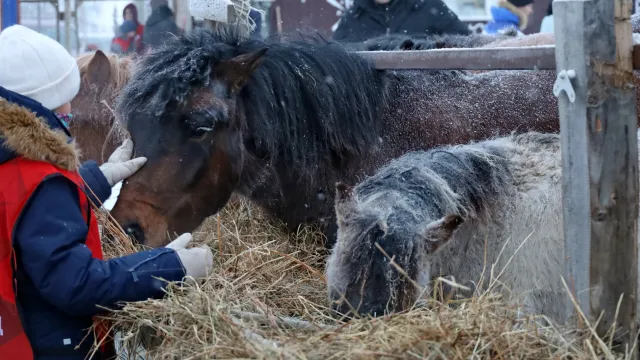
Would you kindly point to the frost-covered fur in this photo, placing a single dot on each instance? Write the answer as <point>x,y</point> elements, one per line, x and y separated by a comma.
<point>432,213</point>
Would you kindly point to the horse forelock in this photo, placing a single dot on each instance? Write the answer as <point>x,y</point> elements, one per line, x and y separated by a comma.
<point>309,101</point>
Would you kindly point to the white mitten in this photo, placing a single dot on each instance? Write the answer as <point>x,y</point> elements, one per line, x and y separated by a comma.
<point>198,262</point>
<point>120,165</point>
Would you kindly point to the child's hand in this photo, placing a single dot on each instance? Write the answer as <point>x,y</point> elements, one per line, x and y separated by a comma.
<point>120,165</point>
<point>198,262</point>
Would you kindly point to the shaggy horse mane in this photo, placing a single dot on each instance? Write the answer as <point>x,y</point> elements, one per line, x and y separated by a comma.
<point>462,179</point>
<point>309,101</point>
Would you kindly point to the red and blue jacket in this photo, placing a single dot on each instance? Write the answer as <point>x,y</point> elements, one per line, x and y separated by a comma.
<point>53,279</point>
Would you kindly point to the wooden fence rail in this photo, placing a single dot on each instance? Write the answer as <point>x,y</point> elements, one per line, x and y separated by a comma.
<point>508,58</point>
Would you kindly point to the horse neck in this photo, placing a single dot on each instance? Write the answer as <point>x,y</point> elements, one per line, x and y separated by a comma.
<point>293,197</point>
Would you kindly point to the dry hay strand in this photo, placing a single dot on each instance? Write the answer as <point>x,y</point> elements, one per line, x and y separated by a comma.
<point>268,299</point>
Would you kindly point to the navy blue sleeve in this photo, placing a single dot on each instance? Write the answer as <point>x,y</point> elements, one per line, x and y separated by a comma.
<point>93,176</point>
<point>50,245</point>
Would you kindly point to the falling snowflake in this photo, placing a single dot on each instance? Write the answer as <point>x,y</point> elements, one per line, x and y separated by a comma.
<point>342,6</point>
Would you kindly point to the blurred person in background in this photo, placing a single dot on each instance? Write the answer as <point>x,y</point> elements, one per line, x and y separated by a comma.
<point>160,24</point>
<point>547,22</point>
<point>130,12</point>
<point>509,16</point>
<point>126,42</point>
<point>367,19</point>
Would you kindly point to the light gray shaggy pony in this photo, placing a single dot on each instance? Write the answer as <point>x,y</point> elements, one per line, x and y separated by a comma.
<point>432,213</point>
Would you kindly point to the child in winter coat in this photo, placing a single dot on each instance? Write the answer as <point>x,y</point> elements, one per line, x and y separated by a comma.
<point>130,12</point>
<point>52,275</point>
<point>509,16</point>
<point>126,42</point>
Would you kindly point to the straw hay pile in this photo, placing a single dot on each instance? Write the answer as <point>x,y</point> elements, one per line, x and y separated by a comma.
<point>268,300</point>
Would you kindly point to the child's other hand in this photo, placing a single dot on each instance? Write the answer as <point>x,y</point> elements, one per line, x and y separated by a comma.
<point>120,165</point>
<point>198,262</point>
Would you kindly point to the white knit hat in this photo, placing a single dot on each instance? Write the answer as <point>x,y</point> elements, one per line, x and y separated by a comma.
<point>36,66</point>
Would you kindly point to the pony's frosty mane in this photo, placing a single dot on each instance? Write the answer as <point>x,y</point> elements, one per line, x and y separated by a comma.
<point>299,104</point>
<point>462,180</point>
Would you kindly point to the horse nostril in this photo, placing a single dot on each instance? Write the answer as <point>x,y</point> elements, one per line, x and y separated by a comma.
<point>135,231</point>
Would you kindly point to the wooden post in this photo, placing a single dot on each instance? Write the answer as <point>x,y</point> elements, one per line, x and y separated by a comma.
<point>231,18</point>
<point>575,157</point>
<point>9,13</point>
<point>600,159</point>
<point>67,24</point>
<point>76,25</point>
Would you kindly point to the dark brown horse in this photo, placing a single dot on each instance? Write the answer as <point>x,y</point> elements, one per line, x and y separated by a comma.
<point>93,125</point>
<point>102,78</point>
<point>282,121</point>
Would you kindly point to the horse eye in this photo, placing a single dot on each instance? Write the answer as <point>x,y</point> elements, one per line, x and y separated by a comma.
<point>201,132</point>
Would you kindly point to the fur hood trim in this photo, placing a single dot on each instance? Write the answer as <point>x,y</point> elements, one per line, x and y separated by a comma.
<point>22,132</point>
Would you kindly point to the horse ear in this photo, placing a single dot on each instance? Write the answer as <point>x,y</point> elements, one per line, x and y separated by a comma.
<point>99,69</point>
<point>439,232</point>
<point>238,70</point>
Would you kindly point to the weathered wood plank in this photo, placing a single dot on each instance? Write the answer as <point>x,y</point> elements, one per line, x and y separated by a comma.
<point>214,24</point>
<point>594,39</point>
<point>614,166</point>
<point>570,44</point>
<point>507,58</point>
